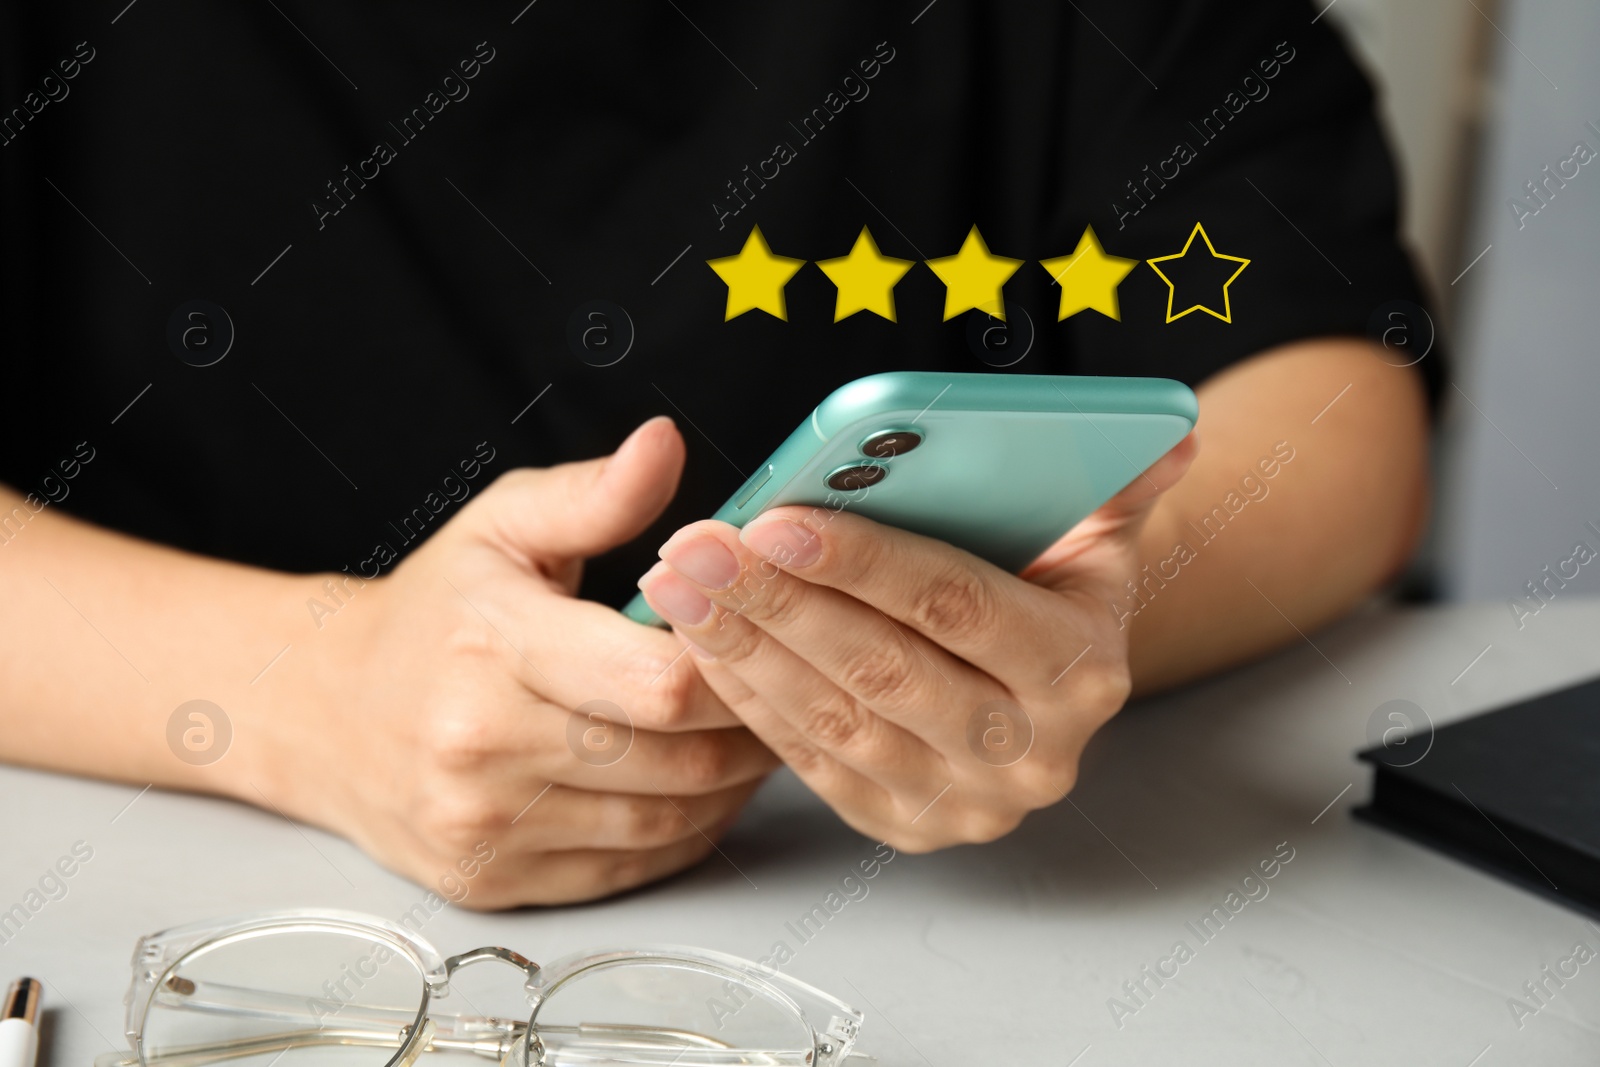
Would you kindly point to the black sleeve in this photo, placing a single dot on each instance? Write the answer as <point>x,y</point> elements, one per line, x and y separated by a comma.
<point>1253,120</point>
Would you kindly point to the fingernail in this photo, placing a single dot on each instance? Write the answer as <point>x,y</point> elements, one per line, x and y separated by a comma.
<point>655,568</point>
<point>702,560</point>
<point>788,544</point>
<point>676,599</point>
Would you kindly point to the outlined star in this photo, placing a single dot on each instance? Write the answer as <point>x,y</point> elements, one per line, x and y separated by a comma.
<point>1226,314</point>
<point>865,278</point>
<point>973,278</point>
<point>1089,278</point>
<point>755,278</point>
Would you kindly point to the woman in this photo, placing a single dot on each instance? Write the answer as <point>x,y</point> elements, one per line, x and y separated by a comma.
<point>314,319</point>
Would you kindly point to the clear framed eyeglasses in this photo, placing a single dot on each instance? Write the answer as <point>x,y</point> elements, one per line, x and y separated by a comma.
<point>338,989</point>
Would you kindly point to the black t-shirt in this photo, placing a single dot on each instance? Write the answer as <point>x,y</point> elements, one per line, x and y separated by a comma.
<point>405,212</point>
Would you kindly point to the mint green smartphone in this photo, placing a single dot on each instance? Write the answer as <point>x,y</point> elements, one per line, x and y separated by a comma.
<point>1000,465</point>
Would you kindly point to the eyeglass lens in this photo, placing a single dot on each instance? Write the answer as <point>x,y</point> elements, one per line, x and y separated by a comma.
<point>290,998</point>
<point>636,1012</point>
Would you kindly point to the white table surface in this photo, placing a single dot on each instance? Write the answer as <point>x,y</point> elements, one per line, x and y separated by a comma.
<point>1367,950</point>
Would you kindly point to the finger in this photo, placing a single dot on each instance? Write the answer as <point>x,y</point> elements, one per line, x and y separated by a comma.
<point>864,653</point>
<point>934,745</point>
<point>784,685</point>
<point>575,510</point>
<point>602,755</point>
<point>571,652</point>
<point>501,743</point>
<point>996,622</point>
<point>1118,522</point>
<point>560,817</point>
<point>865,805</point>
<point>597,652</point>
<point>576,875</point>
<point>1162,475</point>
<point>1001,624</point>
<point>778,735</point>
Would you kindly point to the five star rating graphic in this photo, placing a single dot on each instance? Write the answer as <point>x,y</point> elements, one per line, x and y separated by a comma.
<point>973,278</point>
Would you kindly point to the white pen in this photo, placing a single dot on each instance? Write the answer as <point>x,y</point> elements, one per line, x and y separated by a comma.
<point>19,1033</point>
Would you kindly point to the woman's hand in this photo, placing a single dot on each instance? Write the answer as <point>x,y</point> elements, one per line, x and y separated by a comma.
<point>449,704</point>
<point>928,696</point>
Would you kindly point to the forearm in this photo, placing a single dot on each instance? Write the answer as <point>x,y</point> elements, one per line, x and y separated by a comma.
<point>1234,560</point>
<point>104,636</point>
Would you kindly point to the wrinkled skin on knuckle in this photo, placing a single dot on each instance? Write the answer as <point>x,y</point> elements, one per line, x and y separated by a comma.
<point>775,601</point>
<point>879,672</point>
<point>829,779</point>
<point>875,742</point>
<point>834,723</point>
<point>744,639</point>
<point>959,603</point>
<point>806,760</point>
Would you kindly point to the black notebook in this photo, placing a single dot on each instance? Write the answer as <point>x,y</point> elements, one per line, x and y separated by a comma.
<point>1514,791</point>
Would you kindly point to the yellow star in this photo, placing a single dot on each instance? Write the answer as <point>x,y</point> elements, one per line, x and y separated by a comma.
<point>865,278</point>
<point>1227,305</point>
<point>1089,278</point>
<point>756,278</point>
<point>973,277</point>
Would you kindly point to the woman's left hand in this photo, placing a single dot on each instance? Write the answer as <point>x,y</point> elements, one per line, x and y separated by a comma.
<point>928,696</point>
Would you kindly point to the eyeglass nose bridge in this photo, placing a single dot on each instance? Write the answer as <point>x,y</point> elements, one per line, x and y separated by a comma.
<point>515,1054</point>
<point>529,969</point>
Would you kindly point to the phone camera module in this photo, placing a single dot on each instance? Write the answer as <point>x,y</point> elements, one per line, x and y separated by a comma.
<point>886,444</point>
<point>857,476</point>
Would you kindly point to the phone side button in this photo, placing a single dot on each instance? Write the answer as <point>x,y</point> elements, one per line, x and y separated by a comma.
<point>753,486</point>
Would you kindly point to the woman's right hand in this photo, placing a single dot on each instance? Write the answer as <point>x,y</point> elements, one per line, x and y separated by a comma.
<point>435,717</point>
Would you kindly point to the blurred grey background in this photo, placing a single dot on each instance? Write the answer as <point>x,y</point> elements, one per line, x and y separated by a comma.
<point>1480,96</point>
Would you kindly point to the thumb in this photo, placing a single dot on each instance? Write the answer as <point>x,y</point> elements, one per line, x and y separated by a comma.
<point>1140,495</point>
<point>576,510</point>
<point>1114,528</point>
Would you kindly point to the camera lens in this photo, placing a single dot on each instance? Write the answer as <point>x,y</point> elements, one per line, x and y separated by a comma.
<point>857,476</point>
<point>886,444</point>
